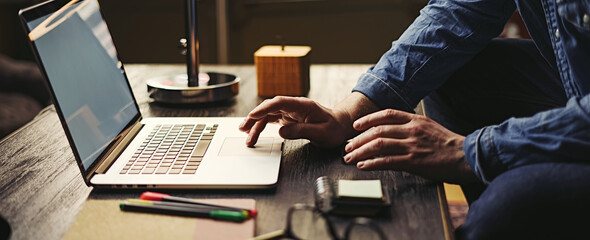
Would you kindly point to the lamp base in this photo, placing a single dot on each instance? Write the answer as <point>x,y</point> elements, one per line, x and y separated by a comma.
<point>211,87</point>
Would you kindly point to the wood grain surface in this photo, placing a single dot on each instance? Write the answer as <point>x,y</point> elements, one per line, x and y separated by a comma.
<point>42,190</point>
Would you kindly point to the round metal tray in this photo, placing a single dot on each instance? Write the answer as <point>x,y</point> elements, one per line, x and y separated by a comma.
<point>211,87</point>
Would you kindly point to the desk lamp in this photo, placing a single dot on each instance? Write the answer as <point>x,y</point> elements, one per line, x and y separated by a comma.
<point>192,87</point>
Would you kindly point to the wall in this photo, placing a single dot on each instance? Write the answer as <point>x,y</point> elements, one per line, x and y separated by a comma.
<point>13,41</point>
<point>147,31</point>
<point>339,31</point>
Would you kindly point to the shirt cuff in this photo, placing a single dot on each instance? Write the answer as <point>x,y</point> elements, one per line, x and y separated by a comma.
<point>476,145</point>
<point>382,94</point>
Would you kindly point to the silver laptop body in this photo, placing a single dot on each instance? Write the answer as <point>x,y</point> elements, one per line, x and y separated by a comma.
<point>114,146</point>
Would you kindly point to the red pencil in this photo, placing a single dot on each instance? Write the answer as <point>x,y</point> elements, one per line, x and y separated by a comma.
<point>154,196</point>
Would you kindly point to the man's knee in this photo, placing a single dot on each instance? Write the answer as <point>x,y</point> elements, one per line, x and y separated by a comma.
<point>541,201</point>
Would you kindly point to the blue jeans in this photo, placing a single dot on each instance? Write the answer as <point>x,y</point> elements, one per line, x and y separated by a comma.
<point>509,78</point>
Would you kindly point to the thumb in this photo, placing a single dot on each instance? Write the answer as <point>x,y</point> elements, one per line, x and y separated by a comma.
<point>312,131</point>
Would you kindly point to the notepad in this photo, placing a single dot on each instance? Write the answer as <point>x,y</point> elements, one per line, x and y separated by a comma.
<point>102,219</point>
<point>366,189</point>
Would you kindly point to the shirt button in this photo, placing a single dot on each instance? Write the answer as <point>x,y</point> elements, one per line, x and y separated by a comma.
<point>557,33</point>
<point>586,19</point>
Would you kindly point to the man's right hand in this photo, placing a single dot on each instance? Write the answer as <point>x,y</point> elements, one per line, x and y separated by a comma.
<point>300,118</point>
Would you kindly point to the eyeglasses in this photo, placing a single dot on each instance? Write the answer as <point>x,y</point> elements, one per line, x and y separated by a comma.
<point>306,222</point>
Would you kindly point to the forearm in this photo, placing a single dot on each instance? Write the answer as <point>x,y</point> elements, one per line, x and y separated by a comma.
<point>446,35</point>
<point>558,135</point>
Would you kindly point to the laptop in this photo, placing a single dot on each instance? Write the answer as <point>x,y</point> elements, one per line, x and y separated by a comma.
<point>113,145</point>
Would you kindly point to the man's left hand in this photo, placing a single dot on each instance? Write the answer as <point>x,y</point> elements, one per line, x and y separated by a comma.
<point>408,142</point>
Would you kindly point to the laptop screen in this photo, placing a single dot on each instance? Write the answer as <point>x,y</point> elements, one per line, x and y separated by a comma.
<point>87,79</point>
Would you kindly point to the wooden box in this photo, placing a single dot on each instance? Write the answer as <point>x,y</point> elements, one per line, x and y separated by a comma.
<point>282,71</point>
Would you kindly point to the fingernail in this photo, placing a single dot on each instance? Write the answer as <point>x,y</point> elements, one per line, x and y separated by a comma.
<point>356,125</point>
<point>360,165</point>
<point>347,158</point>
<point>348,147</point>
<point>242,124</point>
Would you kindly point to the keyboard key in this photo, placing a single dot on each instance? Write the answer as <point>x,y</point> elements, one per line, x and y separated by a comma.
<point>140,163</point>
<point>149,170</point>
<point>175,171</point>
<point>189,171</point>
<point>162,170</point>
<point>205,137</point>
<point>151,165</point>
<point>201,148</point>
<point>137,167</point>
<point>193,164</point>
<point>177,166</point>
<point>154,161</point>
<point>191,167</point>
<point>195,135</point>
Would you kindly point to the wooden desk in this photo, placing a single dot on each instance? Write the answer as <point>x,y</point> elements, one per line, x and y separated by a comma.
<point>41,189</point>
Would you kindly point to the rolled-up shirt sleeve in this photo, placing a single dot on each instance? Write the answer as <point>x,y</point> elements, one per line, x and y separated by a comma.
<point>445,36</point>
<point>557,135</point>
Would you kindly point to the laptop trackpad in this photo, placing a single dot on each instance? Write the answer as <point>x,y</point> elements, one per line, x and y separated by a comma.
<point>237,147</point>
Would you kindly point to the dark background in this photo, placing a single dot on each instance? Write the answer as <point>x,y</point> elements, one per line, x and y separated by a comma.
<point>147,31</point>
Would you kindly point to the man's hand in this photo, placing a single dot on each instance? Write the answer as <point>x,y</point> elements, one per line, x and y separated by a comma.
<point>300,118</point>
<point>402,141</point>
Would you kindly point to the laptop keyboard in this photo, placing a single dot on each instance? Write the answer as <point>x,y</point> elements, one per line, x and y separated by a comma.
<point>171,149</point>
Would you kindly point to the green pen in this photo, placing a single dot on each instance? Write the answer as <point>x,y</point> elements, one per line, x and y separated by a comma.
<point>192,206</point>
<point>154,207</point>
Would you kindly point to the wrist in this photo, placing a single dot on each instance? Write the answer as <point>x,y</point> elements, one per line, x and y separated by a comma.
<point>353,107</point>
<point>465,174</point>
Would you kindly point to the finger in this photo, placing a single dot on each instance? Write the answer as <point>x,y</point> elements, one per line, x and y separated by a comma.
<point>318,133</point>
<point>303,130</point>
<point>384,163</point>
<point>381,131</point>
<point>387,116</point>
<point>376,148</point>
<point>286,120</point>
<point>249,123</point>
<point>254,133</point>
<point>279,104</point>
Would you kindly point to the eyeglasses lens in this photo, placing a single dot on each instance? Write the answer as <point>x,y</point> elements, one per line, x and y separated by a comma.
<point>307,224</point>
<point>363,232</point>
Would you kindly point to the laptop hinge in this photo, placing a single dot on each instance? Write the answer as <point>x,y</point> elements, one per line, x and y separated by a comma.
<point>124,139</point>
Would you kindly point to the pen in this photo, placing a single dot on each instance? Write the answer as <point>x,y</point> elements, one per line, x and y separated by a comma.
<point>154,196</point>
<point>183,211</point>
<point>186,205</point>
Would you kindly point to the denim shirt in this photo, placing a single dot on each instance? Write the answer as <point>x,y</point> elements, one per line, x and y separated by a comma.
<point>448,33</point>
